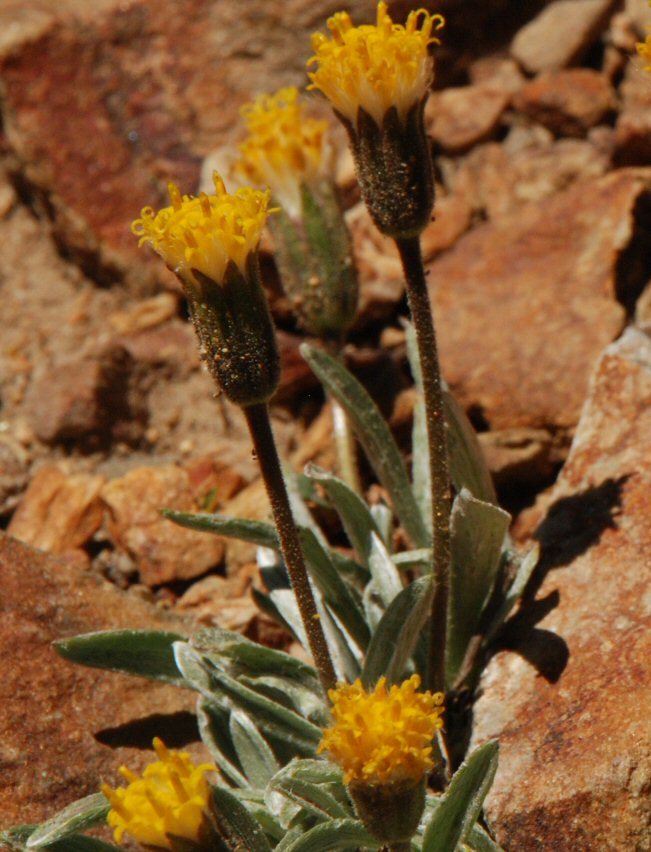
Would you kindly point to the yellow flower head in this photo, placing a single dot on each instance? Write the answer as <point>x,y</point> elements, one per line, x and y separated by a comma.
<point>383,736</point>
<point>169,799</point>
<point>376,66</point>
<point>644,49</point>
<point>207,232</point>
<point>284,147</point>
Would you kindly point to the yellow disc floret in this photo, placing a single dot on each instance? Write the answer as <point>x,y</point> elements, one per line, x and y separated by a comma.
<point>644,49</point>
<point>383,736</point>
<point>376,66</point>
<point>169,798</point>
<point>207,232</point>
<point>284,147</point>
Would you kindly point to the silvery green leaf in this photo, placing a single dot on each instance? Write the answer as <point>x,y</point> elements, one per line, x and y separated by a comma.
<point>339,834</point>
<point>420,470</point>
<point>315,786</point>
<point>237,654</point>
<point>386,579</point>
<point>373,610</point>
<point>468,467</point>
<point>84,813</point>
<point>255,756</point>
<point>480,841</point>
<point>398,632</point>
<point>421,558</point>
<point>477,531</point>
<point>213,728</point>
<point>255,532</point>
<point>146,653</point>
<point>306,702</point>
<point>15,838</point>
<point>345,655</point>
<point>383,517</point>
<point>266,604</point>
<point>284,601</point>
<point>193,667</point>
<point>461,804</point>
<point>526,567</point>
<point>278,723</point>
<point>375,437</point>
<point>255,805</point>
<point>352,510</point>
<point>237,827</point>
<point>81,843</point>
<point>337,594</point>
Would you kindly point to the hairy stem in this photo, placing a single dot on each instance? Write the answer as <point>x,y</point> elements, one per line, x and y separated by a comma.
<point>257,417</point>
<point>421,313</point>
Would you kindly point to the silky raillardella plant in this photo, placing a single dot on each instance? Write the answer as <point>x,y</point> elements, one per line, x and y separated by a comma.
<point>288,150</point>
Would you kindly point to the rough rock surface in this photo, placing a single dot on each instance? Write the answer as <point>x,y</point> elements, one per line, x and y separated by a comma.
<point>58,512</point>
<point>561,34</point>
<point>55,715</point>
<point>568,102</point>
<point>575,752</point>
<point>459,118</point>
<point>161,551</point>
<point>525,303</point>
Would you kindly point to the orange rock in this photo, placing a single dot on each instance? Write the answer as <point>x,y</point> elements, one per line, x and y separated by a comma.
<point>573,724</point>
<point>459,118</point>
<point>58,512</point>
<point>54,714</point>
<point>162,551</point>
<point>525,303</point>
<point>568,102</point>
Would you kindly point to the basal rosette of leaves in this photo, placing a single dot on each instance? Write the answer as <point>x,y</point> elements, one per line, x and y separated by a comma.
<point>262,712</point>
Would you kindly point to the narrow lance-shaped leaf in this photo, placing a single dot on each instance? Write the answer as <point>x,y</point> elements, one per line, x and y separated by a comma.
<point>375,437</point>
<point>255,532</point>
<point>339,834</point>
<point>398,632</point>
<point>146,653</point>
<point>236,826</point>
<point>459,808</point>
<point>477,532</point>
<point>254,753</point>
<point>82,814</point>
<point>352,510</point>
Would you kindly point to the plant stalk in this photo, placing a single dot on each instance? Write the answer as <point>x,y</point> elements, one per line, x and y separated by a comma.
<point>257,418</point>
<point>421,313</point>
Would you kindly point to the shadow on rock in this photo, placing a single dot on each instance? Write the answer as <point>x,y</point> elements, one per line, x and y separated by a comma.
<point>175,729</point>
<point>572,526</point>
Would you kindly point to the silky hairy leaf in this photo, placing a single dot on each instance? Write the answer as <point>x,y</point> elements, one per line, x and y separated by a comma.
<point>375,437</point>
<point>461,804</point>
<point>146,653</point>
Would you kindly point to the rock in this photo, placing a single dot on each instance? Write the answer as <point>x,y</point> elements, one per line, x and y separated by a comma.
<point>56,715</point>
<point>561,34</point>
<point>495,180</point>
<point>88,398</point>
<point>381,283</point>
<point>145,314</point>
<point>14,464</point>
<point>134,96</point>
<point>575,755</point>
<point>525,303</point>
<point>459,118</point>
<point>568,102</point>
<point>59,512</point>
<point>223,601</point>
<point>162,551</point>
<point>213,481</point>
<point>633,126</point>
<point>518,456</point>
<point>500,72</point>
